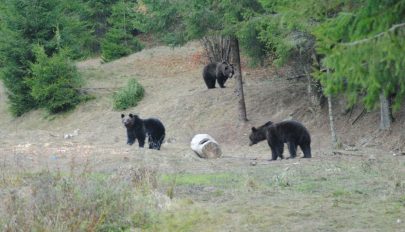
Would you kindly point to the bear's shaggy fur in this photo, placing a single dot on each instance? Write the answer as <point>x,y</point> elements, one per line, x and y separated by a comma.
<point>291,132</point>
<point>217,71</point>
<point>138,128</point>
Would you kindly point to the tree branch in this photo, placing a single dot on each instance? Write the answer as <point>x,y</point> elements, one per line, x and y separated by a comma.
<point>393,28</point>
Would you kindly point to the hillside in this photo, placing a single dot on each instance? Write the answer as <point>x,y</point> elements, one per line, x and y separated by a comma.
<point>176,94</point>
<point>240,191</point>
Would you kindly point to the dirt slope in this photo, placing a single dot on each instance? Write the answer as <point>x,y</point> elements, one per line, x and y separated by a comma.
<point>176,94</point>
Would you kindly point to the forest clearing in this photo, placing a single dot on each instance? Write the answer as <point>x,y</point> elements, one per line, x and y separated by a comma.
<point>84,81</point>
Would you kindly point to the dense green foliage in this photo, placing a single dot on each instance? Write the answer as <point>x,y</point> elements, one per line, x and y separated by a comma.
<point>119,41</point>
<point>54,81</point>
<point>358,38</point>
<point>365,52</point>
<point>360,41</point>
<point>96,14</point>
<point>52,24</point>
<point>128,96</point>
<point>77,26</point>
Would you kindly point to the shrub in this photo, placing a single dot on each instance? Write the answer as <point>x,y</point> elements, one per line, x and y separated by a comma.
<point>89,201</point>
<point>54,81</point>
<point>128,96</point>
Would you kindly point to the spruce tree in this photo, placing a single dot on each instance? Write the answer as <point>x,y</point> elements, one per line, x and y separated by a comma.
<point>119,40</point>
<point>25,24</point>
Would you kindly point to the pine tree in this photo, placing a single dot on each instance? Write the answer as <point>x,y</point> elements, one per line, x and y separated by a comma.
<point>54,81</point>
<point>119,41</point>
<point>365,48</point>
<point>26,23</point>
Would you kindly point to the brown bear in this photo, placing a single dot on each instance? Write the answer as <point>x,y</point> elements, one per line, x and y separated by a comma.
<point>291,132</point>
<point>138,128</point>
<point>217,71</point>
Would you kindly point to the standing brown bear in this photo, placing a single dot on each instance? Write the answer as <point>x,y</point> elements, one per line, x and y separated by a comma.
<point>139,129</point>
<point>291,132</point>
<point>217,71</point>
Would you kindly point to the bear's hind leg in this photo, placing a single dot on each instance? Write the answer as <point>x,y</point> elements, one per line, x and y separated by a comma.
<point>150,141</point>
<point>159,142</point>
<point>210,83</point>
<point>292,147</point>
<point>306,149</point>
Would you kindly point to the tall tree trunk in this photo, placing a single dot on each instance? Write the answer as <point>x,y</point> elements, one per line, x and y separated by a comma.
<point>235,60</point>
<point>335,143</point>
<point>313,89</point>
<point>385,113</point>
<point>332,123</point>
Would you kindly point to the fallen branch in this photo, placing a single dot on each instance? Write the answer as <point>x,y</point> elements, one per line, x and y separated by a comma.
<point>85,90</point>
<point>297,76</point>
<point>359,116</point>
<point>344,152</point>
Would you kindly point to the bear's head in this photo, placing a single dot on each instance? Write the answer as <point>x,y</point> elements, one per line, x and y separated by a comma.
<point>259,134</point>
<point>226,69</point>
<point>129,121</point>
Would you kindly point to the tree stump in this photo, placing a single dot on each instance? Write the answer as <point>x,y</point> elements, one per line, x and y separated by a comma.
<point>205,146</point>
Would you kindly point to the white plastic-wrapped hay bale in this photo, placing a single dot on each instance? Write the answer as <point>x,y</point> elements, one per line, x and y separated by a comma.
<point>205,146</point>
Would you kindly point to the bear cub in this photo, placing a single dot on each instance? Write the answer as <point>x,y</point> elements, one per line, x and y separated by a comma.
<point>138,128</point>
<point>291,132</point>
<point>217,71</point>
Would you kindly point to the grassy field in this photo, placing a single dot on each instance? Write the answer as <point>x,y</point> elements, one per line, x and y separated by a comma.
<point>331,193</point>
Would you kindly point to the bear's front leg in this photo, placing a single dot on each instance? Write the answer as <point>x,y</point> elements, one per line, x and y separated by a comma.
<point>130,137</point>
<point>274,154</point>
<point>221,82</point>
<point>131,141</point>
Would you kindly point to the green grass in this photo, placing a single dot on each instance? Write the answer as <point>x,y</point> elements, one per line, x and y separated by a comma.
<point>316,195</point>
<point>211,179</point>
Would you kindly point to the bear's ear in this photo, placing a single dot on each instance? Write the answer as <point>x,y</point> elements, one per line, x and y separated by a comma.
<point>254,129</point>
<point>122,115</point>
<point>131,115</point>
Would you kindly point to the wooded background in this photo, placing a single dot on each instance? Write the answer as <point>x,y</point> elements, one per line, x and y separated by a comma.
<point>347,48</point>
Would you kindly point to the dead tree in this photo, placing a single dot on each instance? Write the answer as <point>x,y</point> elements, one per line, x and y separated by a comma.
<point>335,142</point>
<point>217,48</point>
<point>385,113</point>
<point>238,77</point>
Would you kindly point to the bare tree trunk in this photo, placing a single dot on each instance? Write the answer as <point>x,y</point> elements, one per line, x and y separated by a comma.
<point>235,56</point>
<point>335,143</point>
<point>313,89</point>
<point>385,113</point>
<point>331,123</point>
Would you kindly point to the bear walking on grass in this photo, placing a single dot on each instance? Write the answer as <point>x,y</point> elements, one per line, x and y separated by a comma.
<point>138,128</point>
<point>291,132</point>
<point>217,71</point>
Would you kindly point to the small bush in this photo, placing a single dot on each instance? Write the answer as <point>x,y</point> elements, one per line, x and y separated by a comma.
<point>128,96</point>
